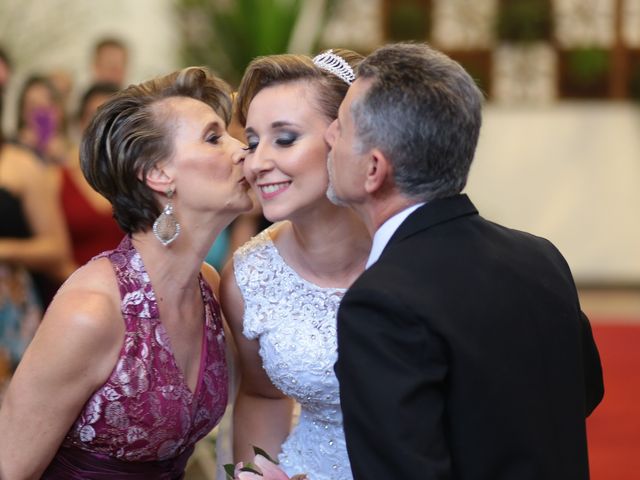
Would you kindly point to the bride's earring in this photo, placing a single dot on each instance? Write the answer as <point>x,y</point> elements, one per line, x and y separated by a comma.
<point>166,228</point>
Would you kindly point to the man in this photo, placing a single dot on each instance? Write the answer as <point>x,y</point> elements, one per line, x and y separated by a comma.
<point>462,350</point>
<point>110,61</point>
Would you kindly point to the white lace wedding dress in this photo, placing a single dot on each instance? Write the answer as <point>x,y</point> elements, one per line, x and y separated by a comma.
<point>295,324</point>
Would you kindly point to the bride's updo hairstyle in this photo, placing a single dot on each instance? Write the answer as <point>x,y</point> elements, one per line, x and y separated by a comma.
<point>330,72</point>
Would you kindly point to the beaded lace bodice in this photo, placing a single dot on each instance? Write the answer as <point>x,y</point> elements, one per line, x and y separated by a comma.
<point>295,324</point>
<point>145,411</point>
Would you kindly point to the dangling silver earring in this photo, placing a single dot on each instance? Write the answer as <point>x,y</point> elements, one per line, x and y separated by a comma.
<point>166,228</point>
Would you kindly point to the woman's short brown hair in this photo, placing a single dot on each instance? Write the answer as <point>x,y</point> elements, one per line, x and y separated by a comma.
<point>272,70</point>
<point>128,137</point>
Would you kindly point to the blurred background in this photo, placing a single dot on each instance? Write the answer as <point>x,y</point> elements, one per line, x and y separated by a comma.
<point>559,152</point>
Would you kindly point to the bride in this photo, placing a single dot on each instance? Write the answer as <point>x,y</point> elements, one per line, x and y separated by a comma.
<point>282,290</point>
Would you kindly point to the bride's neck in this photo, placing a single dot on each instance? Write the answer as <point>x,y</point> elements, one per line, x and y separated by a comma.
<point>332,251</point>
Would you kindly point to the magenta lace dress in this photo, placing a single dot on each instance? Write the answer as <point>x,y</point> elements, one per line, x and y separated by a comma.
<point>144,421</point>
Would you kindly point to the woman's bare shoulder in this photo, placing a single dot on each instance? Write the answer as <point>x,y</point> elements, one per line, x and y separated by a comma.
<point>97,275</point>
<point>21,157</point>
<point>82,328</point>
<point>20,166</point>
<point>91,297</point>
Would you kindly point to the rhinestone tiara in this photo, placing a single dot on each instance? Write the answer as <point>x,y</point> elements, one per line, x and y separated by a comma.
<point>336,65</point>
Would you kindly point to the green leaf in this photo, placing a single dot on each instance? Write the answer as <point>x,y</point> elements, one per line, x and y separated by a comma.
<point>259,451</point>
<point>250,467</point>
<point>524,20</point>
<point>230,470</point>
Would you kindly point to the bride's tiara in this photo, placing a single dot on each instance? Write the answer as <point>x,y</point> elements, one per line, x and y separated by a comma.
<point>336,65</point>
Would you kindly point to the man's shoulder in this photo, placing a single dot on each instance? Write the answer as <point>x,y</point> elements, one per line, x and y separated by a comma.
<point>451,249</point>
<point>389,273</point>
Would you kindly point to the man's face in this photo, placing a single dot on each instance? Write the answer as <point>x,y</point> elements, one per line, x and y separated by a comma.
<point>346,164</point>
<point>111,65</point>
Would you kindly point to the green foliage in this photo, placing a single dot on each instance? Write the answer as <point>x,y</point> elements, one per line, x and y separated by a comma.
<point>524,20</point>
<point>588,66</point>
<point>227,34</point>
<point>408,20</point>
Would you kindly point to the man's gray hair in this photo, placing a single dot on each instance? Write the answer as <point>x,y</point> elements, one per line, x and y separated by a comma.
<point>423,111</point>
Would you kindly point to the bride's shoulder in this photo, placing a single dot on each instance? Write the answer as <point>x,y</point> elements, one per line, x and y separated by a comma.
<point>258,246</point>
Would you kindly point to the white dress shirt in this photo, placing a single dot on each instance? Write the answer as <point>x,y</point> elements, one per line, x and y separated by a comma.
<point>386,231</point>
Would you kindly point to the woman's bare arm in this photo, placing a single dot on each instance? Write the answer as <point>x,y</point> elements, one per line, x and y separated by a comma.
<point>262,414</point>
<point>48,247</point>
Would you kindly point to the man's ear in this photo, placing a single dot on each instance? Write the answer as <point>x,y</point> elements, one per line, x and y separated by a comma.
<point>378,171</point>
<point>158,179</point>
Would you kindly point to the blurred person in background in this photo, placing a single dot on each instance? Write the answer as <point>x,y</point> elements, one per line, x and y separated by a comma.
<point>42,123</point>
<point>32,239</point>
<point>110,61</point>
<point>42,129</point>
<point>63,82</point>
<point>128,369</point>
<point>89,216</point>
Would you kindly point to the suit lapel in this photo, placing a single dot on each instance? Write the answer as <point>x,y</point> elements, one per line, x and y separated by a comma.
<point>433,213</point>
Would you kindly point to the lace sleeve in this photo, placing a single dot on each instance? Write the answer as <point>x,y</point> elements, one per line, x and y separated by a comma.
<point>252,263</point>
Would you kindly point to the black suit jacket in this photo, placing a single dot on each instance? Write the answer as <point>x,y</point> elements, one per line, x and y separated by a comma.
<point>463,354</point>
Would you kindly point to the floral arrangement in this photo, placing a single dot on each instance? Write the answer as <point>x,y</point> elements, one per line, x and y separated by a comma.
<point>263,467</point>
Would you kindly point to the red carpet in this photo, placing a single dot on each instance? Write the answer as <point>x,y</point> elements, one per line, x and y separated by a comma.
<point>614,427</point>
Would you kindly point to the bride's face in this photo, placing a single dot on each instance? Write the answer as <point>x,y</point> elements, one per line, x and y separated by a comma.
<point>286,162</point>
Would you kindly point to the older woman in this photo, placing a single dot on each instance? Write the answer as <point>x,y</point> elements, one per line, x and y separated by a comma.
<point>127,370</point>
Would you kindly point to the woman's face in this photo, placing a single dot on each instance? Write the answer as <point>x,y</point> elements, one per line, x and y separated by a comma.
<point>207,162</point>
<point>37,96</point>
<point>39,102</point>
<point>91,107</point>
<point>287,160</point>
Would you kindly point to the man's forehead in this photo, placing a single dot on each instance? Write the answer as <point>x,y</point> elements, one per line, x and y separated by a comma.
<point>356,91</point>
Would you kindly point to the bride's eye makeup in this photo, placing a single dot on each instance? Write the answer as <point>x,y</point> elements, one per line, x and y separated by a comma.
<point>286,139</point>
<point>252,143</point>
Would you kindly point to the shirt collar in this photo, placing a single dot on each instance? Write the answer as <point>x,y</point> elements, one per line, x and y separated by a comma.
<point>386,231</point>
